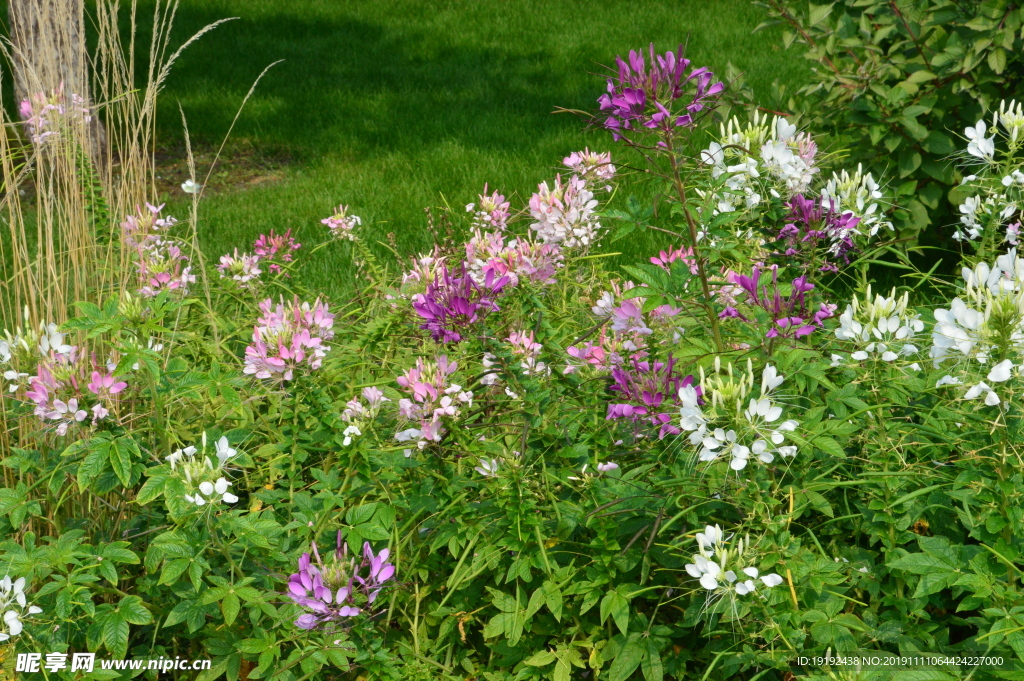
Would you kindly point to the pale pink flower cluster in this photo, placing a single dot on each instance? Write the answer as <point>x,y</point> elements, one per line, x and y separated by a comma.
<point>425,269</point>
<point>431,400</point>
<point>490,212</point>
<point>356,413</point>
<point>591,165</point>
<point>565,213</point>
<point>517,258</point>
<point>244,269</point>
<point>276,249</point>
<point>343,225</point>
<point>44,114</point>
<point>289,337</point>
<point>160,262</point>
<point>527,350</point>
<point>66,393</point>
<point>626,336</point>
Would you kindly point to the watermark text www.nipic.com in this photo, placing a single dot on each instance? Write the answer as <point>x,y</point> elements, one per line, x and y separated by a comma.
<point>87,662</point>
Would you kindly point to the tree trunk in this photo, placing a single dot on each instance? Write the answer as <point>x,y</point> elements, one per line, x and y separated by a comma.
<point>49,52</point>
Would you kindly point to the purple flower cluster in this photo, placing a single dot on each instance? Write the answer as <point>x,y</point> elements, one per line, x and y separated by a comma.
<point>342,588</point>
<point>791,316</point>
<point>647,388</point>
<point>643,97</point>
<point>813,225</point>
<point>452,303</point>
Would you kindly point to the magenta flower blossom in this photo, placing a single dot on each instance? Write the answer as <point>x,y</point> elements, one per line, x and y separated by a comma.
<point>791,316</point>
<point>287,338</point>
<point>527,350</point>
<point>642,94</point>
<point>276,249</point>
<point>565,214</point>
<point>452,304</point>
<point>45,114</point>
<point>105,384</point>
<point>814,226</point>
<point>159,260</point>
<point>517,259</point>
<point>664,259</point>
<point>341,588</point>
<point>647,388</point>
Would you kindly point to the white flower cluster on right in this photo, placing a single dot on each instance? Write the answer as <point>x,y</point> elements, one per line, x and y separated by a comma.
<point>719,569</point>
<point>879,329</point>
<point>983,329</point>
<point>731,423</point>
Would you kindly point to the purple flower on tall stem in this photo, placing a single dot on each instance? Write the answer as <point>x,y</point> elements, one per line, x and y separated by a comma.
<point>791,316</point>
<point>813,222</point>
<point>645,388</point>
<point>642,95</point>
<point>451,303</point>
<point>340,588</point>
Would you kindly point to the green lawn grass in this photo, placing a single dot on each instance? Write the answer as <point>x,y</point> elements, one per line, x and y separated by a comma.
<point>387,105</point>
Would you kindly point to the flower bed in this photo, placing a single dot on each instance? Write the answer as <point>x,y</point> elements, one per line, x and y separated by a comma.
<point>511,462</point>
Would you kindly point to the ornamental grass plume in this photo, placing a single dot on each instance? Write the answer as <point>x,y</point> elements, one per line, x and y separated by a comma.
<point>452,305</point>
<point>342,587</point>
<point>660,94</point>
<point>289,337</point>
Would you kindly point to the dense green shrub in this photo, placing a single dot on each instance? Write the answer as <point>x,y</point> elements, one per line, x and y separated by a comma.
<point>898,81</point>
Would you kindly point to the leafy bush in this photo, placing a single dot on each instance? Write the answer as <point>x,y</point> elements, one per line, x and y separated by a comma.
<point>898,82</point>
<point>512,463</point>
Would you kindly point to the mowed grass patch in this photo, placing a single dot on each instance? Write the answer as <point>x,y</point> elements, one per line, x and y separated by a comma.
<point>397,105</point>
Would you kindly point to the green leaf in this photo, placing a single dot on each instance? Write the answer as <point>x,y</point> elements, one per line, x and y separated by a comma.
<point>115,634</point>
<point>909,162</point>
<point>627,660</point>
<point>651,664</point>
<point>830,447</point>
<point>121,452</point>
<point>541,658</point>
<point>616,605</point>
<point>229,607</point>
<point>818,13</point>
<point>997,60</point>
<point>133,611</point>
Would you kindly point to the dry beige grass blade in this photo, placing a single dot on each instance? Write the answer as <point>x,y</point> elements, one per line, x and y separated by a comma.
<point>66,247</point>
